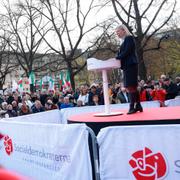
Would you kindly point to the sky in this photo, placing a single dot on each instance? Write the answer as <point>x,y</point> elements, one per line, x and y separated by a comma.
<point>104,14</point>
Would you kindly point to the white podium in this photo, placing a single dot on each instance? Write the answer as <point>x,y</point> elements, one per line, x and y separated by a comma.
<point>94,64</point>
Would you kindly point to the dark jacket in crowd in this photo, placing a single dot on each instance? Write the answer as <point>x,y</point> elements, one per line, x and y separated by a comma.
<point>121,97</point>
<point>172,90</point>
<point>36,110</point>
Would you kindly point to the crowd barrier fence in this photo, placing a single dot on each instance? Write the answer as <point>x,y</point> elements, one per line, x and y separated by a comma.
<point>48,151</point>
<point>172,102</point>
<point>139,152</point>
<point>53,116</point>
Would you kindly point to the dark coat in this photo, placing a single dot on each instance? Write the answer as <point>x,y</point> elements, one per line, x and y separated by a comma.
<point>129,61</point>
<point>172,91</point>
<point>127,53</point>
<point>122,98</point>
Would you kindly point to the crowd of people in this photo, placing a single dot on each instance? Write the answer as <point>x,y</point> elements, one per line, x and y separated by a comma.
<point>14,104</point>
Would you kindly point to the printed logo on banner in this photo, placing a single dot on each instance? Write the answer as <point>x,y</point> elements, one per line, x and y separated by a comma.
<point>148,165</point>
<point>8,145</point>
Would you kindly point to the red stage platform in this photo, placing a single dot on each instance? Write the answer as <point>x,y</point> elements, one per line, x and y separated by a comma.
<point>150,116</point>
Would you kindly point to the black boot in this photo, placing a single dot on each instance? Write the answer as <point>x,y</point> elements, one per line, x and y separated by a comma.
<point>131,109</point>
<point>138,106</point>
<point>131,105</point>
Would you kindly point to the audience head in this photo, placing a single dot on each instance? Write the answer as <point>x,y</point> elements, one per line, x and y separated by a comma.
<point>79,103</point>
<point>66,100</point>
<point>162,77</point>
<point>95,98</point>
<point>177,79</point>
<point>4,105</point>
<point>14,104</point>
<point>38,104</point>
<point>166,81</point>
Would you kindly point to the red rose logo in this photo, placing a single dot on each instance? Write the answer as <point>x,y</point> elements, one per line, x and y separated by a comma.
<point>148,165</point>
<point>8,145</point>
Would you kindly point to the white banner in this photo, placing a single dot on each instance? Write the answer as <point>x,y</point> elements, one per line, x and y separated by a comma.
<point>53,116</point>
<point>46,151</point>
<point>140,152</point>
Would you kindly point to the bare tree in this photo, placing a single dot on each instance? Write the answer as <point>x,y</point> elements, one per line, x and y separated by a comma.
<point>22,36</point>
<point>144,19</point>
<point>7,63</point>
<point>71,30</point>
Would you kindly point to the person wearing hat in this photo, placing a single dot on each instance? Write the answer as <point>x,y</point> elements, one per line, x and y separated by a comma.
<point>129,64</point>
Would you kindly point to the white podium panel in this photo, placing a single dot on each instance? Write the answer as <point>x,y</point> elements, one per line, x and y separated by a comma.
<point>94,64</point>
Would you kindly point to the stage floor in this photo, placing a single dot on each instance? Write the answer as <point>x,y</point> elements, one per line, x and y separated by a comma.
<point>150,116</point>
<point>163,113</point>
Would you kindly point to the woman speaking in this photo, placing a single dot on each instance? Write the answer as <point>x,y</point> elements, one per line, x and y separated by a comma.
<point>129,64</point>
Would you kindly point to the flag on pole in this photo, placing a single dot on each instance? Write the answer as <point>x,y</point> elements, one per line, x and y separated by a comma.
<point>62,80</point>
<point>32,78</point>
<point>41,84</point>
<point>65,82</point>
<point>20,85</point>
<point>51,84</point>
<point>68,81</point>
<point>14,86</point>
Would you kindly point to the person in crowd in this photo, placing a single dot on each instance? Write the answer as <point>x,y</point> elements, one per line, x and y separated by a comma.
<point>141,83</point>
<point>1,99</point>
<point>77,93</point>
<point>178,84</point>
<point>4,106</point>
<point>15,106</point>
<point>55,97</point>
<point>10,97</point>
<point>123,95</point>
<point>72,100</point>
<point>2,113</point>
<point>100,93</point>
<point>10,111</point>
<point>92,92</point>
<point>27,100</point>
<point>17,97</point>
<point>159,94</point>
<point>66,103</point>
<point>37,107</point>
<point>161,80</point>
<point>49,105</point>
<point>112,94</point>
<point>79,103</point>
<point>43,97</point>
<point>34,97</point>
<point>145,93</point>
<point>83,96</point>
<point>24,110</point>
<point>171,89</point>
<point>129,64</point>
<point>61,100</point>
<point>95,99</point>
